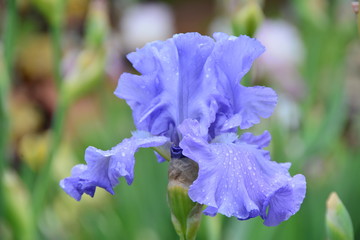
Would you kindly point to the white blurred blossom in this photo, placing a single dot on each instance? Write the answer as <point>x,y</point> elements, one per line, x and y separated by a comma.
<point>288,113</point>
<point>146,22</point>
<point>283,56</point>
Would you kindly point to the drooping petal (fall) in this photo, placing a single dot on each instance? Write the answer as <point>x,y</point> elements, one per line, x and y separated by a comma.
<point>238,178</point>
<point>104,168</point>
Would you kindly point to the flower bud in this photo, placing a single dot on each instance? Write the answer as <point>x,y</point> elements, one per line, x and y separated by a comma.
<point>338,221</point>
<point>90,64</point>
<point>247,19</point>
<point>85,75</point>
<point>185,214</point>
<point>97,25</point>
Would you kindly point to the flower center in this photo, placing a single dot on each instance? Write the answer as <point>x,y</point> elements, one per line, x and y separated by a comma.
<point>176,152</point>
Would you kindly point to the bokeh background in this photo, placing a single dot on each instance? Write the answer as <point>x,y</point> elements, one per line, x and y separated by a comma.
<point>59,65</point>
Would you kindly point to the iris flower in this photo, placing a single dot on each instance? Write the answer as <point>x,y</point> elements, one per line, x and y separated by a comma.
<point>188,96</point>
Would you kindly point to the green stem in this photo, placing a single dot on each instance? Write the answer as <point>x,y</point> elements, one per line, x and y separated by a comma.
<point>5,75</point>
<point>43,180</point>
<point>9,36</point>
<point>56,45</point>
<point>4,126</point>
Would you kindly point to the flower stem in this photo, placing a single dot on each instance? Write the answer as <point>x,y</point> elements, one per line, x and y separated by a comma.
<point>43,180</point>
<point>6,66</point>
<point>56,45</point>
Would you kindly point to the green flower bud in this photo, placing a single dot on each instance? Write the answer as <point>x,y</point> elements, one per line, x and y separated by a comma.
<point>338,221</point>
<point>247,19</point>
<point>185,214</point>
<point>90,64</point>
<point>84,76</point>
<point>97,25</point>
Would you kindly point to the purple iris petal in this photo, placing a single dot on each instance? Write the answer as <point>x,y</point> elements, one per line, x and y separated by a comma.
<point>250,103</point>
<point>232,58</point>
<point>238,178</point>
<point>262,140</point>
<point>159,158</point>
<point>104,168</point>
<point>75,186</point>
<point>173,85</point>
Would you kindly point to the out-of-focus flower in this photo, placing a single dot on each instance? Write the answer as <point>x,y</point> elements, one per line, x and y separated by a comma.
<point>288,113</point>
<point>25,116</point>
<point>34,149</point>
<point>188,94</point>
<point>97,24</point>
<point>89,65</point>
<point>355,6</point>
<point>247,19</point>
<point>220,24</point>
<point>284,55</point>
<point>85,74</point>
<point>35,56</point>
<point>144,23</point>
<point>114,59</point>
<point>76,10</point>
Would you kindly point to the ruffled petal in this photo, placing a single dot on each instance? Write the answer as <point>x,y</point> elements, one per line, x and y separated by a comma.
<point>251,104</point>
<point>74,185</point>
<point>231,60</point>
<point>238,179</point>
<point>261,141</point>
<point>173,85</point>
<point>234,56</point>
<point>286,201</point>
<point>104,168</point>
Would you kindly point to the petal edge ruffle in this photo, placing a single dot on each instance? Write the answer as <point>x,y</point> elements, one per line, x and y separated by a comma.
<point>104,168</point>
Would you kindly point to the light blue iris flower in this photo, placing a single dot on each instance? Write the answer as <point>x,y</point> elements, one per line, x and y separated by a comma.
<point>188,95</point>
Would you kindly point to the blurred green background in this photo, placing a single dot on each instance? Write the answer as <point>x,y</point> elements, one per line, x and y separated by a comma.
<point>59,65</point>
